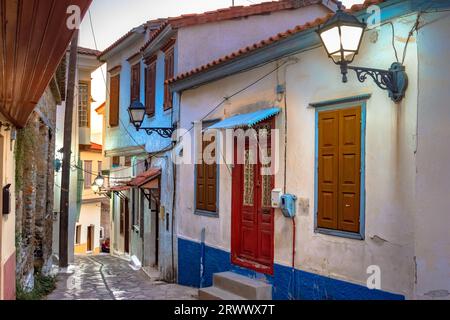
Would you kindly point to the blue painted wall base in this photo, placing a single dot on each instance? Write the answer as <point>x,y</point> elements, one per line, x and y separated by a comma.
<point>287,284</point>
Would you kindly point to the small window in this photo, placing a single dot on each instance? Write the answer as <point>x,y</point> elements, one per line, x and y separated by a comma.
<point>102,233</point>
<point>87,174</point>
<point>84,109</point>
<point>78,234</point>
<point>115,161</point>
<point>128,161</point>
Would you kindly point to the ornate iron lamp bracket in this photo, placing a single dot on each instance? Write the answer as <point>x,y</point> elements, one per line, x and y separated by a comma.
<point>394,80</point>
<point>163,132</point>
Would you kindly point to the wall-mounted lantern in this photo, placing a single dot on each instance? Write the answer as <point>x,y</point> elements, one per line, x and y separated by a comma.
<point>341,36</point>
<point>98,184</point>
<point>137,114</point>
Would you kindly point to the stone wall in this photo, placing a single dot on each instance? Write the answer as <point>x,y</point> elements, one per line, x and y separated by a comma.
<point>34,155</point>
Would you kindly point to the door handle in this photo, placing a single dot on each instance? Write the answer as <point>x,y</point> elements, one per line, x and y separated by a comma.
<point>347,205</point>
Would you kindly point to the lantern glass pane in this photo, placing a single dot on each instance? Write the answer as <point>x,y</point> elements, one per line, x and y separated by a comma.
<point>331,40</point>
<point>350,37</point>
<point>336,57</point>
<point>137,115</point>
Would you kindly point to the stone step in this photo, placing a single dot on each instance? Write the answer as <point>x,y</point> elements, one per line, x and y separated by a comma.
<point>214,293</point>
<point>245,287</point>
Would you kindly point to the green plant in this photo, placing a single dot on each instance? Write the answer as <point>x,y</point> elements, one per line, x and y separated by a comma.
<point>43,286</point>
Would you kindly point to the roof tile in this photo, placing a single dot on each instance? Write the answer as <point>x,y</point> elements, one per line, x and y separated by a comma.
<point>266,42</point>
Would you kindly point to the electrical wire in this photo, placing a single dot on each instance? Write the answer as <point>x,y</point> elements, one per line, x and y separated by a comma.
<point>393,40</point>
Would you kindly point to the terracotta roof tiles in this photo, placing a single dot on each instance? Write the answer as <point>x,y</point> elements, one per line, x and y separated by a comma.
<point>273,39</point>
<point>235,12</point>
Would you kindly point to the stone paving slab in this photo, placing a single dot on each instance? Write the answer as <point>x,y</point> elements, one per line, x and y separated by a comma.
<point>105,277</point>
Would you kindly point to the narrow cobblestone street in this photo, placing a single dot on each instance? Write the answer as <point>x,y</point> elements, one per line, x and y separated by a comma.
<point>104,277</point>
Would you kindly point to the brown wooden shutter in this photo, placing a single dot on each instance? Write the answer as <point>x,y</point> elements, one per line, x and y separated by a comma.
<point>135,82</point>
<point>328,169</point>
<point>339,169</point>
<point>169,73</point>
<point>150,88</point>
<point>114,92</point>
<point>87,174</point>
<point>200,194</point>
<point>349,169</point>
<point>207,184</point>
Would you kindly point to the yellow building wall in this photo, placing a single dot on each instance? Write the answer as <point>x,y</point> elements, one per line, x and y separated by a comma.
<point>7,222</point>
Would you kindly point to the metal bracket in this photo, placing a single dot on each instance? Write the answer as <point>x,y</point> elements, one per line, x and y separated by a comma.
<point>163,132</point>
<point>394,80</point>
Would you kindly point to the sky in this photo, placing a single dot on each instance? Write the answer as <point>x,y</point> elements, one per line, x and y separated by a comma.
<point>113,18</point>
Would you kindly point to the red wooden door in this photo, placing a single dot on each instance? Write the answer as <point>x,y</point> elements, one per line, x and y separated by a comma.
<point>252,214</point>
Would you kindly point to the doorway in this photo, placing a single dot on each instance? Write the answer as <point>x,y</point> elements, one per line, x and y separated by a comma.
<point>90,238</point>
<point>252,240</point>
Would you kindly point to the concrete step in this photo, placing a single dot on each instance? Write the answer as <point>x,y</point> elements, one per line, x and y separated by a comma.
<point>245,287</point>
<point>214,293</point>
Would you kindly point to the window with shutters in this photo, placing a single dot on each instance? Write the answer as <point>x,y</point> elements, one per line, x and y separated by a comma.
<point>84,105</point>
<point>128,161</point>
<point>150,88</point>
<point>115,161</point>
<point>206,179</point>
<point>114,96</point>
<point>135,82</point>
<point>339,194</point>
<point>78,234</point>
<point>87,174</point>
<point>168,74</point>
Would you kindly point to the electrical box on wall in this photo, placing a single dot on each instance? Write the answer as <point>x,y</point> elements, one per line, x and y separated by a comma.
<point>276,198</point>
<point>288,204</point>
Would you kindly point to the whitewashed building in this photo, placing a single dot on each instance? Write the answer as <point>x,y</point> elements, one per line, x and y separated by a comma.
<point>370,175</point>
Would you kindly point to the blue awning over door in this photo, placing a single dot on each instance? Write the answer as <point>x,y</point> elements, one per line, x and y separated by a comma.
<point>246,119</point>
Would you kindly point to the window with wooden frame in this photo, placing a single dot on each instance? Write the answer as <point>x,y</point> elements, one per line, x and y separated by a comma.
<point>84,104</point>
<point>114,98</point>
<point>78,234</point>
<point>150,87</point>
<point>87,174</point>
<point>135,92</point>
<point>206,176</point>
<point>128,161</point>
<point>169,69</point>
<point>339,171</point>
<point>115,161</point>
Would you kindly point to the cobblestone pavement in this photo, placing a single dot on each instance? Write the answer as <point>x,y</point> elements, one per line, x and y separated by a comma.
<point>104,277</point>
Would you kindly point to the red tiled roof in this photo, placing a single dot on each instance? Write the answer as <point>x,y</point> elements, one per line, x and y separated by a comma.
<point>273,39</point>
<point>96,146</point>
<point>145,177</point>
<point>88,51</point>
<point>119,188</point>
<point>152,24</point>
<point>100,108</point>
<point>230,13</point>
